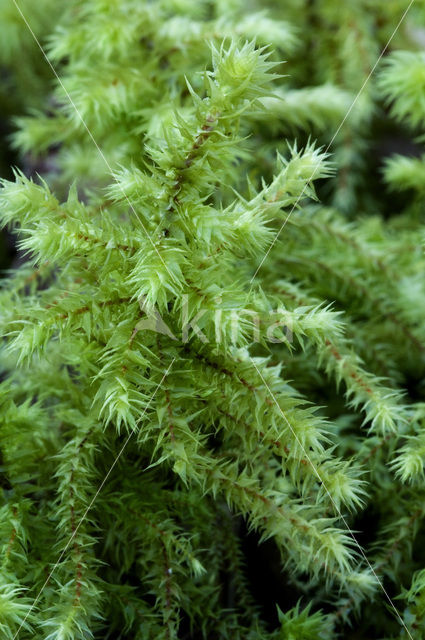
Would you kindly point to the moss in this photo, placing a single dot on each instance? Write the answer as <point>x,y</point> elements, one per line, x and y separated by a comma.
<point>200,353</point>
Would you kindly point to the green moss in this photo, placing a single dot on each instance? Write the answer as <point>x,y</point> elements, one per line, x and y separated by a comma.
<point>217,337</point>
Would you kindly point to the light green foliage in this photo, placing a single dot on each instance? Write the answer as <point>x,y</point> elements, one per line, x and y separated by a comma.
<point>403,81</point>
<point>403,173</point>
<point>297,624</point>
<point>159,390</point>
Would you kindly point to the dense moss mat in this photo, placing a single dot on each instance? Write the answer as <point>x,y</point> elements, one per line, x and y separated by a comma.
<point>212,420</point>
